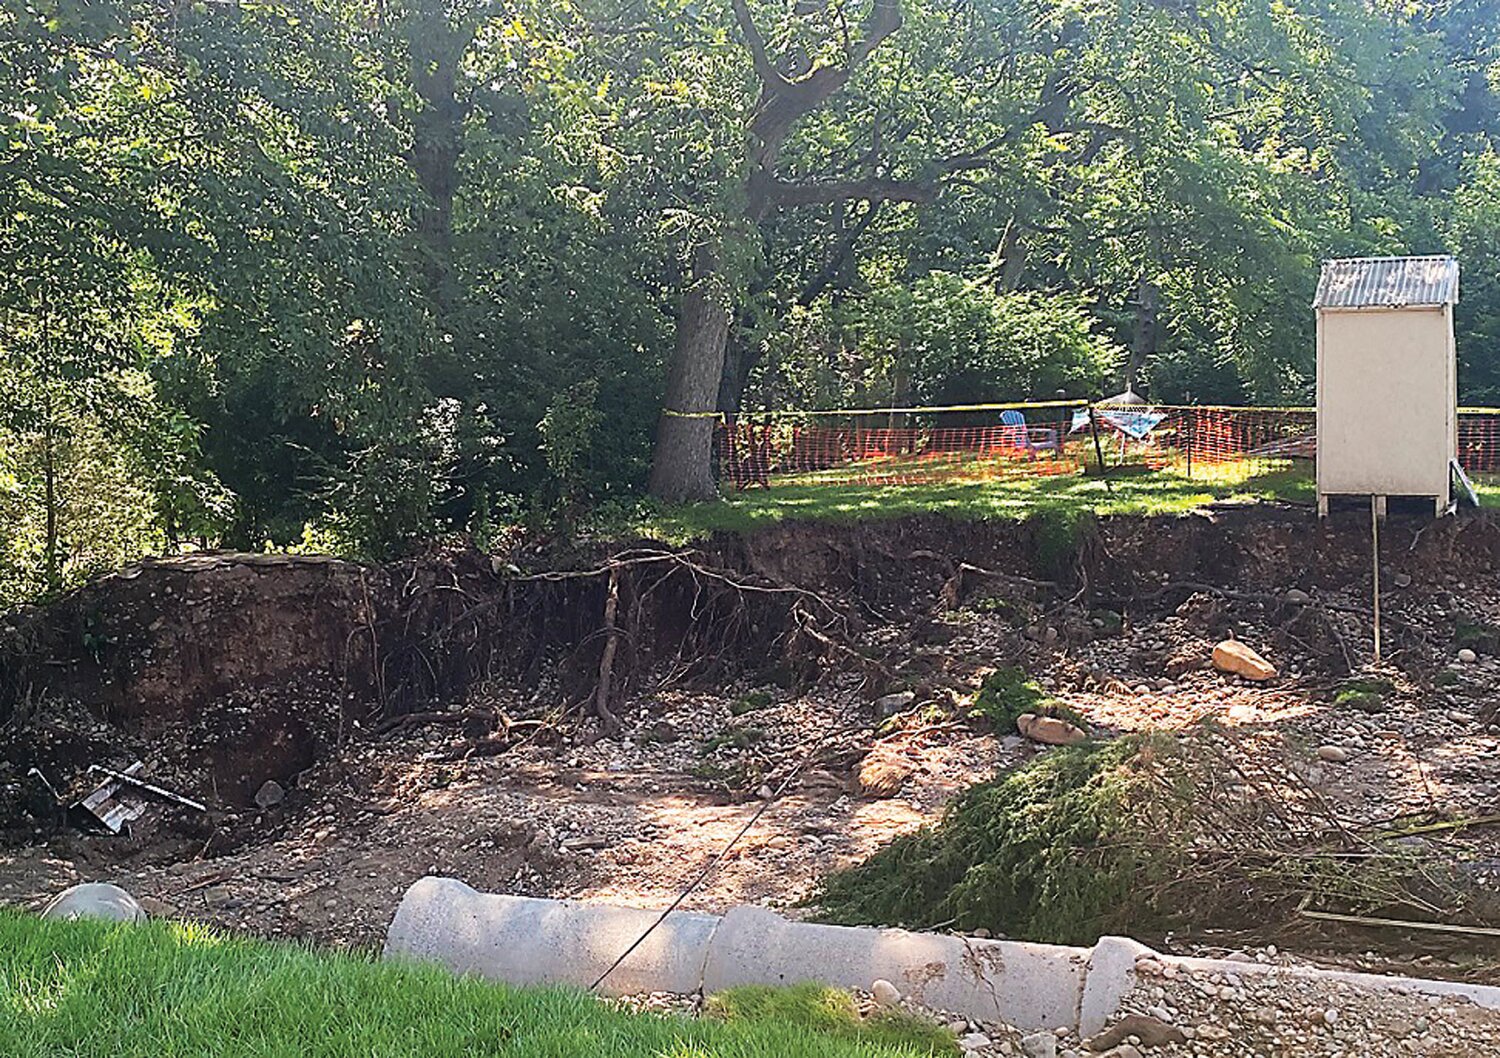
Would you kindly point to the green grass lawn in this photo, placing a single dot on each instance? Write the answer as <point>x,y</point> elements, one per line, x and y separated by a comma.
<point>1127,492</point>
<point>169,990</point>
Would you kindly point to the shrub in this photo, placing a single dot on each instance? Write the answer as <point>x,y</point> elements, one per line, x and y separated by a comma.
<point>1063,849</point>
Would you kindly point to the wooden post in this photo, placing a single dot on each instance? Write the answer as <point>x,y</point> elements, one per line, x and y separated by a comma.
<point>1192,423</point>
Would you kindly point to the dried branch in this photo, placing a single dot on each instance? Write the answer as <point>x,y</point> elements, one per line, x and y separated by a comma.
<point>607,659</point>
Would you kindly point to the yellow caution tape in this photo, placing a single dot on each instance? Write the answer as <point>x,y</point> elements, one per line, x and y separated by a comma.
<point>924,410</point>
<point>789,413</point>
<point>675,414</point>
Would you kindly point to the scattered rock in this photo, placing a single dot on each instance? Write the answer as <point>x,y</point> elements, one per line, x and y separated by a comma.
<point>664,731</point>
<point>1040,1045</point>
<point>974,1041</point>
<point>1467,656</point>
<point>1333,754</point>
<point>1297,597</point>
<point>1235,657</point>
<point>885,993</point>
<point>1051,730</point>
<point>1402,580</point>
<point>883,774</point>
<point>269,795</point>
<point>891,704</point>
<point>1152,1032</point>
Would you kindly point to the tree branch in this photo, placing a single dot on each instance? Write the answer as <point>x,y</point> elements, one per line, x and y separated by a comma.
<point>871,189</point>
<point>885,18</point>
<point>765,69</point>
<point>841,251</point>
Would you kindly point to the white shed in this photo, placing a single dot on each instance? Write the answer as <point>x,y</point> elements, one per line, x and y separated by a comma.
<point>1387,378</point>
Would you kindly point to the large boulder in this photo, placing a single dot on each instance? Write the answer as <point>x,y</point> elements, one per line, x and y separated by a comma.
<point>98,900</point>
<point>1051,730</point>
<point>1235,657</point>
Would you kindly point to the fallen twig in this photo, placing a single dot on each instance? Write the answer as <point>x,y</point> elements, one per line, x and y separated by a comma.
<point>1400,923</point>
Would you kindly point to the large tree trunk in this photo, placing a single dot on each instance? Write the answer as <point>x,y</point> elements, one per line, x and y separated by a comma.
<point>740,358</point>
<point>436,48</point>
<point>1147,311</point>
<point>1010,256</point>
<point>682,462</point>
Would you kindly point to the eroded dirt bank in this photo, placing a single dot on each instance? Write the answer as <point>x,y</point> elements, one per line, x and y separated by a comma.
<point>438,714</point>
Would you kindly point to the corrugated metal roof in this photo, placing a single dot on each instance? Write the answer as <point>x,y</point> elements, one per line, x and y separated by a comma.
<point>1387,282</point>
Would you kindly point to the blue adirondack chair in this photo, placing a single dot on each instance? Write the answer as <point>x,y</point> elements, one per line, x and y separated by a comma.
<point>1030,439</point>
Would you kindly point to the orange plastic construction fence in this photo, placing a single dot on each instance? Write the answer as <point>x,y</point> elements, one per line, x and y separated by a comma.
<point>988,442</point>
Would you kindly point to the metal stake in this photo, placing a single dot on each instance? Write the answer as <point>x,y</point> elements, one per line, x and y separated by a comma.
<point>1375,563</point>
<point>1099,447</point>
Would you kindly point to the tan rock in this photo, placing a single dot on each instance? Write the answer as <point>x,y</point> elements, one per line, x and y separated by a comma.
<point>1051,730</point>
<point>883,775</point>
<point>1152,1032</point>
<point>1233,656</point>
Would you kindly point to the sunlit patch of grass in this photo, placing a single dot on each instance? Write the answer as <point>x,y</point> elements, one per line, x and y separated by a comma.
<point>1127,491</point>
<point>831,1011</point>
<point>95,990</point>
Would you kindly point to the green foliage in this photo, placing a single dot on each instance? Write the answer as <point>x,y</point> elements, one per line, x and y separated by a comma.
<point>1366,694</point>
<point>831,1012</point>
<point>1057,534</point>
<point>567,431</point>
<point>1477,635</point>
<point>290,273</point>
<point>1063,849</point>
<point>945,339</point>
<point>75,988</point>
<point>749,703</point>
<point>1008,692</point>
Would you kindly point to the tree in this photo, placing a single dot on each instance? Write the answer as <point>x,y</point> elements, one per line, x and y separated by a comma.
<point>792,85</point>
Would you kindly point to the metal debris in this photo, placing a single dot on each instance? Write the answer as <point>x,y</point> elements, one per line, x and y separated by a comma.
<point>114,808</point>
<point>129,776</point>
<point>113,812</point>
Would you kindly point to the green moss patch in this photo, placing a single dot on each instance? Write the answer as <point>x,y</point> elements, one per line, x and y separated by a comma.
<point>750,703</point>
<point>1366,695</point>
<point>1008,692</point>
<point>1479,636</point>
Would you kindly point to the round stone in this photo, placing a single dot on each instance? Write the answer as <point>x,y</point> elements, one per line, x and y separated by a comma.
<point>98,900</point>
<point>885,993</point>
<point>269,795</point>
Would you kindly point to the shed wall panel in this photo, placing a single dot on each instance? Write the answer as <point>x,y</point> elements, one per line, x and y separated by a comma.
<point>1386,421</point>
